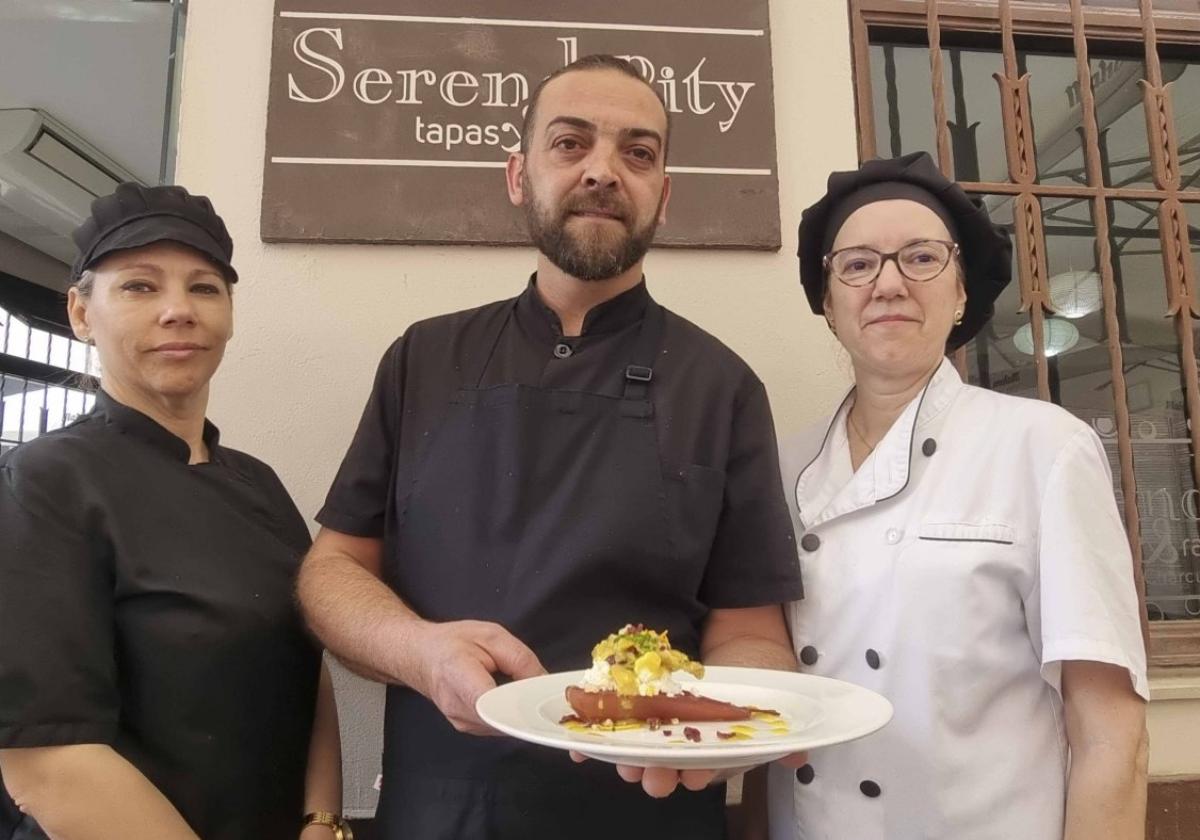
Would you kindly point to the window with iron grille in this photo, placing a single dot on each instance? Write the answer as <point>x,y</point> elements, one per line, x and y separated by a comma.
<point>46,379</point>
<point>1078,121</point>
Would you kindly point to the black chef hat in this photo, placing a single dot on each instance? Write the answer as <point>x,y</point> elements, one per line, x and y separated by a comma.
<point>135,215</point>
<point>986,247</point>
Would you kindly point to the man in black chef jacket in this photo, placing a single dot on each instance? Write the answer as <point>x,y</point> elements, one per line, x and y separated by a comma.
<point>531,475</point>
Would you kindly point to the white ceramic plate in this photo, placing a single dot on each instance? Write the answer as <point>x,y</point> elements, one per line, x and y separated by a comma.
<point>817,711</point>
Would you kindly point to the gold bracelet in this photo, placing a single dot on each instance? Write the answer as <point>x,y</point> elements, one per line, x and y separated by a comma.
<point>341,828</point>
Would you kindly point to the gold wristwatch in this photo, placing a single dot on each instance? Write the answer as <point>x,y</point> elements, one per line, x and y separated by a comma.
<point>341,828</point>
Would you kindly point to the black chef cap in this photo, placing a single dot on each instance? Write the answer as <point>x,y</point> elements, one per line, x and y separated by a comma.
<point>135,215</point>
<point>986,247</point>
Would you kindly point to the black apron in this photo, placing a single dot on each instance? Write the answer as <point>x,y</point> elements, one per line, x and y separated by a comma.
<point>545,511</point>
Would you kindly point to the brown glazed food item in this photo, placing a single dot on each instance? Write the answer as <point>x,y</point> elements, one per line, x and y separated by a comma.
<point>598,706</point>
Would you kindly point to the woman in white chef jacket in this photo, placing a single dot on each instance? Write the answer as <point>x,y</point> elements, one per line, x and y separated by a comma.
<point>961,550</point>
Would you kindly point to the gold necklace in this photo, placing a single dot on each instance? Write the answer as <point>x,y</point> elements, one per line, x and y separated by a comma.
<point>854,428</point>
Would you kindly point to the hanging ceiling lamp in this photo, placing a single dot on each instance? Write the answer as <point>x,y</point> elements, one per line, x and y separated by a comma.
<point>1074,294</point>
<point>1058,335</point>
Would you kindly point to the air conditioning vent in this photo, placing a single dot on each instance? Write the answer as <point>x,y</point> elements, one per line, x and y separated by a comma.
<point>48,178</point>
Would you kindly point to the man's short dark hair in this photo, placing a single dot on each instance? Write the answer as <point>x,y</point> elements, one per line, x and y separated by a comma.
<point>597,61</point>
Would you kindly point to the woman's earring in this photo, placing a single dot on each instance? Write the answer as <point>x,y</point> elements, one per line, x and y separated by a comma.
<point>958,316</point>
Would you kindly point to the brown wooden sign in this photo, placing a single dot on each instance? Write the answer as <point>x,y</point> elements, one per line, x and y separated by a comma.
<point>391,120</point>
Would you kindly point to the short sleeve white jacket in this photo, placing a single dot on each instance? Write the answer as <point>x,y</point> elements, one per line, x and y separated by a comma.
<point>977,548</point>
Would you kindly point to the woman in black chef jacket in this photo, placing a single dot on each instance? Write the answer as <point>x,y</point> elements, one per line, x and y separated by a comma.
<point>155,677</point>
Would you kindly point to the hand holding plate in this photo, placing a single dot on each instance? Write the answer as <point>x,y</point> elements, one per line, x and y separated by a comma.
<point>456,661</point>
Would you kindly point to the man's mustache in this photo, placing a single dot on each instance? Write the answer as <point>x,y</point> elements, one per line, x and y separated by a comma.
<point>612,208</point>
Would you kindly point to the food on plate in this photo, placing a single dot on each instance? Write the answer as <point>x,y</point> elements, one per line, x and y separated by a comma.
<point>631,680</point>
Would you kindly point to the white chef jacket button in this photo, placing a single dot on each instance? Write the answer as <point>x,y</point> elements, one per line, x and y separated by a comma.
<point>810,542</point>
<point>929,447</point>
<point>893,535</point>
<point>873,659</point>
<point>805,774</point>
<point>808,655</point>
<point>870,789</point>
<point>563,350</point>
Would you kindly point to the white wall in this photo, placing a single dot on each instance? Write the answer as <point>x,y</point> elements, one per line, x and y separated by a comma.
<point>312,321</point>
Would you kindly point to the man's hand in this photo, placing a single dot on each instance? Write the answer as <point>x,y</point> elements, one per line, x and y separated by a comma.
<point>661,782</point>
<point>454,663</point>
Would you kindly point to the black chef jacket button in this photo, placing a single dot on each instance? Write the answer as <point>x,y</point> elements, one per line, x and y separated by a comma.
<point>563,351</point>
<point>873,658</point>
<point>810,542</point>
<point>870,789</point>
<point>929,447</point>
<point>808,655</point>
<point>805,774</point>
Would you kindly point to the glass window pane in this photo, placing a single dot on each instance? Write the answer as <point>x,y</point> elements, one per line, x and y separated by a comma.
<point>17,340</point>
<point>75,406</point>
<point>56,408</point>
<point>10,409</point>
<point>993,359</point>
<point>1162,456</point>
<point>1121,119</point>
<point>33,411</point>
<point>974,114</point>
<point>903,99</point>
<point>1056,113</point>
<point>60,349</point>
<point>1194,237</point>
<point>1076,338</point>
<point>1185,102</point>
<point>39,346</point>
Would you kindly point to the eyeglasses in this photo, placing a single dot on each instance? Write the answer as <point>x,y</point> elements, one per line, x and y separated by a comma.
<point>918,261</point>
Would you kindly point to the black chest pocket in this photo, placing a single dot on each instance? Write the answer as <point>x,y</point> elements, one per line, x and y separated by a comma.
<point>696,495</point>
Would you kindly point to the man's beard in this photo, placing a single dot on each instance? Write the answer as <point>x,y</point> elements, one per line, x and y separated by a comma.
<point>596,254</point>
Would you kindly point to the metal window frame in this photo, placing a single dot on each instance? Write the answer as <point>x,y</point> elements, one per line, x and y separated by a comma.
<point>1169,643</point>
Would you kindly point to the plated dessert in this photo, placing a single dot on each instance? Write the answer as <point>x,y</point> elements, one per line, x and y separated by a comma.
<point>632,684</point>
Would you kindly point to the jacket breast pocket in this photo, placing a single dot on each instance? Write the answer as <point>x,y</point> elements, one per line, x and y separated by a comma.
<point>965,532</point>
<point>964,584</point>
<point>697,496</point>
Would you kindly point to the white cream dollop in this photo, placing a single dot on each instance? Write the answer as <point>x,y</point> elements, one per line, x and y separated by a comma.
<point>598,678</point>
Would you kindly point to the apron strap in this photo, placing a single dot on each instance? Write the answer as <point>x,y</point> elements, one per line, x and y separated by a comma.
<point>640,373</point>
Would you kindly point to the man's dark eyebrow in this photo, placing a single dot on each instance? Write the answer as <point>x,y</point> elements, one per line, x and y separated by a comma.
<point>639,133</point>
<point>628,133</point>
<point>574,122</point>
